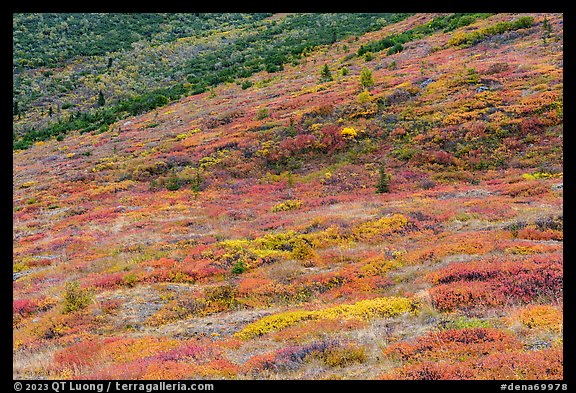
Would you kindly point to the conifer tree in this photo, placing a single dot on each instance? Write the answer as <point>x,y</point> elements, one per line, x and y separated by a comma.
<point>101,100</point>
<point>383,181</point>
<point>325,74</point>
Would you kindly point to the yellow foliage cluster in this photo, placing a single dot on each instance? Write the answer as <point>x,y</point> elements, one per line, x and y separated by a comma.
<point>111,188</point>
<point>214,159</point>
<point>362,310</point>
<point>187,134</point>
<point>243,249</point>
<point>382,227</point>
<point>378,267</point>
<point>18,267</point>
<point>316,127</point>
<point>105,163</point>
<point>265,149</point>
<point>363,110</point>
<point>27,184</point>
<point>329,237</point>
<point>291,204</point>
<point>364,97</point>
<point>310,89</point>
<point>274,322</point>
<point>540,175</point>
<point>520,250</point>
<point>349,133</point>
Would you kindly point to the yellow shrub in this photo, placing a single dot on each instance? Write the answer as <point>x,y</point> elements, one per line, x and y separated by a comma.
<point>18,267</point>
<point>316,127</point>
<point>364,97</point>
<point>286,205</point>
<point>363,310</point>
<point>105,163</point>
<point>209,161</point>
<point>384,226</point>
<point>368,309</point>
<point>349,133</point>
<point>539,175</point>
<point>187,134</point>
<point>27,184</point>
<point>274,322</point>
<point>378,267</point>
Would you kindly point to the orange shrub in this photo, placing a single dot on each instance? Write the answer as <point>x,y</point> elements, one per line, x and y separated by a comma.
<point>545,364</point>
<point>526,189</point>
<point>546,317</point>
<point>535,234</point>
<point>454,344</point>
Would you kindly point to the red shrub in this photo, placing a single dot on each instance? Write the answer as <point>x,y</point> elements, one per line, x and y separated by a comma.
<point>535,234</point>
<point>23,306</point>
<point>109,280</point>
<point>188,352</point>
<point>81,354</point>
<point>130,370</point>
<point>489,282</point>
<point>545,364</point>
<point>431,371</point>
<point>454,343</point>
<point>464,294</point>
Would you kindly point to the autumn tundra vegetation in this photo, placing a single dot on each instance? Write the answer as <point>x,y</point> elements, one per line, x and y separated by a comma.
<point>288,196</point>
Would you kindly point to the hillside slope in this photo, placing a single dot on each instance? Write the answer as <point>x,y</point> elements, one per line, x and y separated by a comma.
<point>237,233</point>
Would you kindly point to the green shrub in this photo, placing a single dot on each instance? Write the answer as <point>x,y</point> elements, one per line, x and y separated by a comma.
<point>75,298</point>
<point>366,79</point>
<point>131,279</point>
<point>247,84</point>
<point>262,113</point>
<point>172,184</point>
<point>397,48</point>
<point>239,267</point>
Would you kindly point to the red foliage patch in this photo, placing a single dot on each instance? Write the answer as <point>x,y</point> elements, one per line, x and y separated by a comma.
<point>23,306</point>
<point>538,365</point>
<point>454,343</point>
<point>81,354</point>
<point>495,282</point>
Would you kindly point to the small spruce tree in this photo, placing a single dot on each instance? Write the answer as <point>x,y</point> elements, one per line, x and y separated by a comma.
<point>101,100</point>
<point>325,74</point>
<point>383,185</point>
<point>547,30</point>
